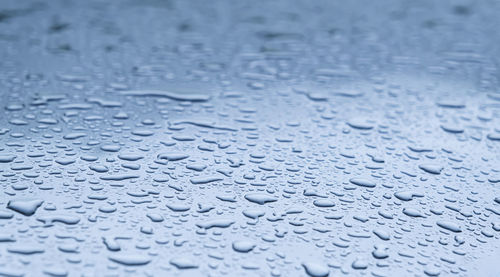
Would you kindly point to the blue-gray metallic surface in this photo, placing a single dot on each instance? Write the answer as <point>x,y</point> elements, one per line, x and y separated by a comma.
<point>249,138</point>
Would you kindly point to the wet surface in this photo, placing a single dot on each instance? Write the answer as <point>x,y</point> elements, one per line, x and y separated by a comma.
<point>258,138</point>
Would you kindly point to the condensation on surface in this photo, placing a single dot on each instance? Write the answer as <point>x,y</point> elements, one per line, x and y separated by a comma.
<point>249,138</point>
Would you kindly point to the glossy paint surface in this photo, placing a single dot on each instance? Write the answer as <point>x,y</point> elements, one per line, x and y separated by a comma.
<point>249,138</point>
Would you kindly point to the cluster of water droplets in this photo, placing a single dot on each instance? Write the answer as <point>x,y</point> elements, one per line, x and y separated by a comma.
<point>261,158</point>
